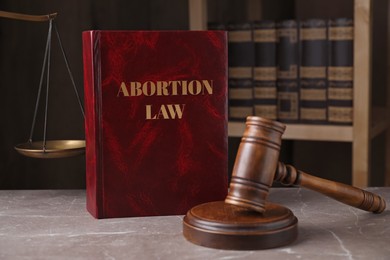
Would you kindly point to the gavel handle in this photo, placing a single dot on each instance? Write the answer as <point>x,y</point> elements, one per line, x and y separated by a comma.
<point>288,175</point>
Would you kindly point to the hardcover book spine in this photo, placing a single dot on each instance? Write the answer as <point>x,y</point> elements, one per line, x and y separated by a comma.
<point>340,71</point>
<point>241,62</point>
<point>313,71</point>
<point>264,72</point>
<point>92,123</point>
<point>287,81</point>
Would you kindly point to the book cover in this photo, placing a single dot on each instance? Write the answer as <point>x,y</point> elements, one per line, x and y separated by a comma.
<point>340,71</point>
<point>241,63</point>
<point>156,121</point>
<point>313,71</point>
<point>264,72</point>
<point>287,79</point>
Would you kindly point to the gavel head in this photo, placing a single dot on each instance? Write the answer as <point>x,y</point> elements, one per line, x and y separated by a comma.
<point>255,164</point>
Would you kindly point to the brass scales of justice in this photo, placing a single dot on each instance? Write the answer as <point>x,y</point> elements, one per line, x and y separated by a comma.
<point>47,148</point>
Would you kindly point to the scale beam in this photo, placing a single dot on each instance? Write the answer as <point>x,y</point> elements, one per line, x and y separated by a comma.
<point>47,148</point>
<point>28,17</point>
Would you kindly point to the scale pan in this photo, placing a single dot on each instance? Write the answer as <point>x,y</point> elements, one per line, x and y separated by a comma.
<point>54,148</point>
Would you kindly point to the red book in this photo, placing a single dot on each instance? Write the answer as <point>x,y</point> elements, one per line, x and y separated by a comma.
<point>156,121</point>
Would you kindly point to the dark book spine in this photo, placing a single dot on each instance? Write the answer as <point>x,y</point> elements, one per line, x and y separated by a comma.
<point>313,71</point>
<point>340,71</point>
<point>92,104</point>
<point>264,72</point>
<point>241,62</point>
<point>287,79</point>
<point>216,26</point>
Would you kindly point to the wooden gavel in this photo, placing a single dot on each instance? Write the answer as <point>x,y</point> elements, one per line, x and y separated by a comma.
<point>257,167</point>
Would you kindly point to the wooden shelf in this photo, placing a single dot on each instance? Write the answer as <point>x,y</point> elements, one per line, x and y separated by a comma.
<point>304,132</point>
<point>368,121</point>
<point>334,133</point>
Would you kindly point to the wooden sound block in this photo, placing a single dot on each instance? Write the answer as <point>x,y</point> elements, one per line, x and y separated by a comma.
<point>225,226</point>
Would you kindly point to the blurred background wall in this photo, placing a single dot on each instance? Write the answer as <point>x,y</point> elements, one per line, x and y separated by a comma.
<point>22,46</point>
<point>21,55</point>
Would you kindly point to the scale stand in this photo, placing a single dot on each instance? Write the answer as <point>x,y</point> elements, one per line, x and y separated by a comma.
<point>48,148</point>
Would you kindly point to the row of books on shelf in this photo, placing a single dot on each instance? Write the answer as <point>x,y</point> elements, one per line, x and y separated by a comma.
<point>290,70</point>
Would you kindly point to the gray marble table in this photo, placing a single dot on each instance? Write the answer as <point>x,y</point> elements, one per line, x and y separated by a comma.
<point>54,224</point>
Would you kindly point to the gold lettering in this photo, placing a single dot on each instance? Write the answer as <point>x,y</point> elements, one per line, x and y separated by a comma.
<point>208,85</point>
<point>166,88</point>
<point>184,88</point>
<point>191,87</point>
<point>152,88</point>
<point>162,88</point>
<point>123,90</point>
<point>163,112</point>
<point>176,109</point>
<point>173,85</point>
<point>170,111</point>
<point>135,89</point>
<point>149,112</point>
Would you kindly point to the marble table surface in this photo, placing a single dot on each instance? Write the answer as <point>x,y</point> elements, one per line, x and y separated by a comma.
<point>54,224</point>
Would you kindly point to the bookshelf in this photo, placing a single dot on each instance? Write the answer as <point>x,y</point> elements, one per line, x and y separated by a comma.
<point>368,122</point>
